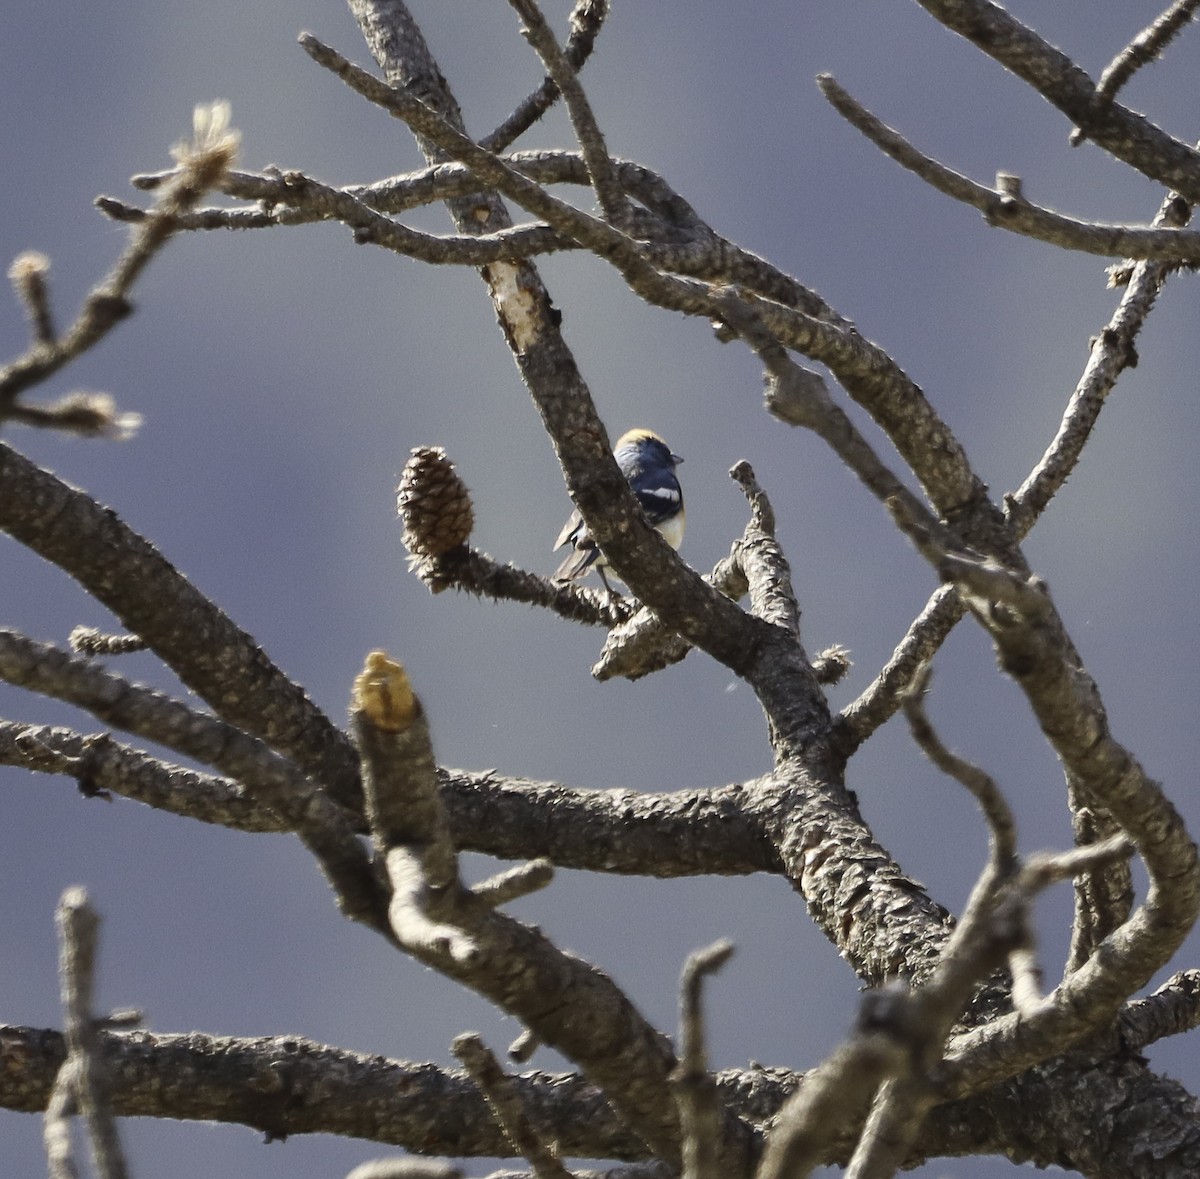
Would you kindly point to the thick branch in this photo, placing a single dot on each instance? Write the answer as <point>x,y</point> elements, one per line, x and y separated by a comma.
<point>564,1001</point>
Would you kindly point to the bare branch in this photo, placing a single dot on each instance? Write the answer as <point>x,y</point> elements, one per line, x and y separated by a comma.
<point>883,696</point>
<point>56,1125</point>
<point>695,1089</point>
<point>564,1001</point>
<point>1104,897</point>
<point>514,883</point>
<point>405,1169</point>
<point>587,18</point>
<point>768,575</point>
<point>78,925</point>
<point>1037,652</point>
<point>87,640</point>
<point>471,571</point>
<point>1111,353</point>
<point>104,767</point>
<point>111,698</point>
<point>1146,47</point>
<point>202,164</point>
<point>504,1100</point>
<point>302,1087</point>
<point>591,140</point>
<point>665,835</point>
<point>28,276</point>
<point>868,373</point>
<point>325,827</point>
<point>837,1093</point>
<point>644,644</point>
<point>1007,208</point>
<point>1001,828</point>
<point>1121,132</point>
<point>1174,1008</point>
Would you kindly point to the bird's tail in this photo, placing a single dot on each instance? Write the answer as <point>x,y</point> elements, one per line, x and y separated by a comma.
<point>576,564</point>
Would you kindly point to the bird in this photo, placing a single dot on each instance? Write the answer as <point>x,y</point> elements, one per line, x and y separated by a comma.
<point>648,465</point>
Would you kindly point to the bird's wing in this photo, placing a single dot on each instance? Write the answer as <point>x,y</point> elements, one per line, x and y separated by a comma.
<point>660,496</point>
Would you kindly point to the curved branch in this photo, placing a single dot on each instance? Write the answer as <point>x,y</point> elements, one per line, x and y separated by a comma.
<point>1005,209</point>
<point>1035,650</point>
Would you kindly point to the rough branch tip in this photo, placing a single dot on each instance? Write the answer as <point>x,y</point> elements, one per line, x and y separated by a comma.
<point>383,694</point>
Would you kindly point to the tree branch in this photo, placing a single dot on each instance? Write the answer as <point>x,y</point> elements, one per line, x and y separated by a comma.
<point>1007,208</point>
<point>78,926</point>
<point>1119,131</point>
<point>1146,47</point>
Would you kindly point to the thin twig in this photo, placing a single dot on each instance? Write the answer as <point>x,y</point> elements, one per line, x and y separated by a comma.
<point>28,275</point>
<point>88,640</point>
<point>587,18</point>
<point>471,571</point>
<point>513,883</point>
<point>768,575</point>
<point>1146,47</point>
<point>694,1086</point>
<point>587,130</point>
<point>1002,830</point>
<point>405,1168</point>
<point>882,697</point>
<point>56,1123</point>
<point>504,1101</point>
<point>1112,352</point>
<point>202,164</point>
<point>78,924</point>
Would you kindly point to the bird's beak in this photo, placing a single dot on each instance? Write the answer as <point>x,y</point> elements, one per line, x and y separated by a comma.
<point>676,459</point>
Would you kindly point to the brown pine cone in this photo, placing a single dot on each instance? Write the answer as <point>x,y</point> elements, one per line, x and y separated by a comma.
<point>433,503</point>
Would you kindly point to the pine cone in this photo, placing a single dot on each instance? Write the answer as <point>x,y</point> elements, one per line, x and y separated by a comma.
<point>433,503</point>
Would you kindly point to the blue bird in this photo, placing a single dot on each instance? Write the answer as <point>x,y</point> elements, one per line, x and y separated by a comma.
<point>649,466</point>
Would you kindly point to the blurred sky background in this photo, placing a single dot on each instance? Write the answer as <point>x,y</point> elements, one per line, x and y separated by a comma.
<point>285,375</point>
